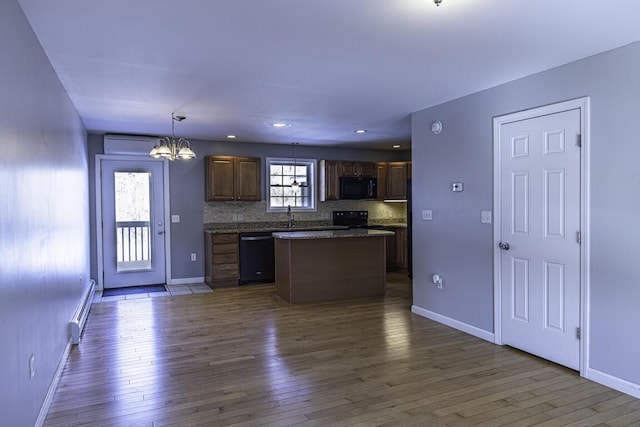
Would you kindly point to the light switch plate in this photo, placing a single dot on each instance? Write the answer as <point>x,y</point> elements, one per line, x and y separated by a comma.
<point>427,215</point>
<point>457,186</point>
<point>485,217</point>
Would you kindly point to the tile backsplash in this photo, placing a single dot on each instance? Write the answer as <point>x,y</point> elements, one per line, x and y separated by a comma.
<point>247,212</point>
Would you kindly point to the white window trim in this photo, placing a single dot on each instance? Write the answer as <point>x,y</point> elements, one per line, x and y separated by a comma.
<point>313,197</point>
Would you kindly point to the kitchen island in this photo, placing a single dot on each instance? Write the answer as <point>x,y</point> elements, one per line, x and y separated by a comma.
<point>314,266</point>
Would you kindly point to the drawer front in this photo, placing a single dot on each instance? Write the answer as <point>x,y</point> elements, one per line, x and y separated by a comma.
<point>224,238</point>
<point>225,258</point>
<point>225,271</point>
<point>225,248</point>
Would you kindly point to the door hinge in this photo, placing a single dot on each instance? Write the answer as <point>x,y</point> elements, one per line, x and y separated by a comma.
<point>578,333</point>
<point>579,237</point>
<point>579,142</point>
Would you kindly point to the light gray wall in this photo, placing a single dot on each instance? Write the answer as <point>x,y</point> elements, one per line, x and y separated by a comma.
<point>457,246</point>
<point>187,190</point>
<point>44,213</point>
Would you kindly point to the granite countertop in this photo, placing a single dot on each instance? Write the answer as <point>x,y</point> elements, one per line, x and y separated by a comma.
<point>274,229</point>
<point>394,225</point>
<point>331,234</point>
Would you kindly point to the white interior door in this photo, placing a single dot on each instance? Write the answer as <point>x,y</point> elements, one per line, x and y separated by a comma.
<point>539,235</point>
<point>133,230</point>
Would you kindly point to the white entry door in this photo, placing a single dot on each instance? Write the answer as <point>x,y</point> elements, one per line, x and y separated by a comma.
<point>540,235</point>
<point>133,230</point>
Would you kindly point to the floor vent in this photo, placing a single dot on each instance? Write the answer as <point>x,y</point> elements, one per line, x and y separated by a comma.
<point>82,313</point>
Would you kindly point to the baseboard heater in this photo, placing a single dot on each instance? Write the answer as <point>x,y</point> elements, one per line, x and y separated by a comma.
<point>82,313</point>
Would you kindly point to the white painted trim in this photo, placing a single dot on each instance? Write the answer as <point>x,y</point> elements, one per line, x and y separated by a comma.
<point>453,323</point>
<point>613,382</point>
<point>581,104</point>
<point>46,405</point>
<point>98,203</point>
<point>185,281</point>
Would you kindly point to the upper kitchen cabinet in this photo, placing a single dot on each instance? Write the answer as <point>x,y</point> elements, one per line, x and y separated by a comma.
<point>381,175</point>
<point>232,178</point>
<point>357,168</point>
<point>397,174</point>
<point>329,181</point>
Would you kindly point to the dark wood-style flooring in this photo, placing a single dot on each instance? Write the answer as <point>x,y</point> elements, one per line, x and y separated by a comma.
<point>242,357</point>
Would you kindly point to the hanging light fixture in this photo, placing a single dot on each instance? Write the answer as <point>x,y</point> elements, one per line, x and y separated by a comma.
<point>169,148</point>
<point>295,186</point>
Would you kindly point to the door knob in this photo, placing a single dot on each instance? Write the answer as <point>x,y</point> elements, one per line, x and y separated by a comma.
<point>504,246</point>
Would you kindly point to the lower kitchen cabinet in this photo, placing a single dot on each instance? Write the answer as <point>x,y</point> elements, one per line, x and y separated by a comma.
<point>397,249</point>
<point>221,259</point>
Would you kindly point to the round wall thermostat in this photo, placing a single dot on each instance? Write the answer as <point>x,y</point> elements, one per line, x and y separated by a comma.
<point>436,127</point>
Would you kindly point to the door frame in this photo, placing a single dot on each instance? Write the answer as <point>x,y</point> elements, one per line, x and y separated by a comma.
<point>581,104</point>
<point>98,202</point>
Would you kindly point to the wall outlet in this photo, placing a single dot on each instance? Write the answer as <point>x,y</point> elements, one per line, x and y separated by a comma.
<point>437,280</point>
<point>485,217</point>
<point>175,218</point>
<point>234,217</point>
<point>427,215</point>
<point>193,256</point>
<point>32,366</point>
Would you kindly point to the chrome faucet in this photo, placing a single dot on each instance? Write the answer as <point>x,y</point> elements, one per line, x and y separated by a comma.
<point>290,218</point>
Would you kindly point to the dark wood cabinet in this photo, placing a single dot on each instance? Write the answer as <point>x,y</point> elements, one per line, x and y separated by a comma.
<point>397,249</point>
<point>390,242</point>
<point>221,259</point>
<point>232,178</point>
<point>329,180</point>
<point>396,181</point>
<point>381,175</point>
<point>348,168</point>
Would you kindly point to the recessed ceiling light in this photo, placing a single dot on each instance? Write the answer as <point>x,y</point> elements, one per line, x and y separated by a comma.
<point>360,131</point>
<point>231,136</point>
<point>396,146</point>
<point>279,125</point>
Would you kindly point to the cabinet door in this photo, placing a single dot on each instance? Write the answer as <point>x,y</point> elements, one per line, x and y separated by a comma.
<point>401,247</point>
<point>247,171</point>
<point>219,178</point>
<point>397,180</point>
<point>390,242</point>
<point>366,169</point>
<point>329,180</point>
<point>347,168</point>
<point>381,175</point>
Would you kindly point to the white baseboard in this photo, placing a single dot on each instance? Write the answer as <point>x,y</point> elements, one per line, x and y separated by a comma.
<point>456,324</point>
<point>613,382</point>
<point>186,281</point>
<point>44,409</point>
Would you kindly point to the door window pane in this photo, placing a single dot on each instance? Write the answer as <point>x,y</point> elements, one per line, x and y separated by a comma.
<point>133,221</point>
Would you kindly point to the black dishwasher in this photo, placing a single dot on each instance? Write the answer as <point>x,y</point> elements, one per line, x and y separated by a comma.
<point>257,260</point>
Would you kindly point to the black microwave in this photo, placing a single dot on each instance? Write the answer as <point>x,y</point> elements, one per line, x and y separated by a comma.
<point>352,187</point>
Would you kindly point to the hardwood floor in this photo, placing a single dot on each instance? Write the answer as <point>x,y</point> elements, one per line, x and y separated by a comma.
<point>243,357</point>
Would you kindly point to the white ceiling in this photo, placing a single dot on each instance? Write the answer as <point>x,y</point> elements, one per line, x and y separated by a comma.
<point>326,67</point>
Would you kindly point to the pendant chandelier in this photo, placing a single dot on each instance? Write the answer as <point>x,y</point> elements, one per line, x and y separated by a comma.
<point>295,186</point>
<point>170,148</point>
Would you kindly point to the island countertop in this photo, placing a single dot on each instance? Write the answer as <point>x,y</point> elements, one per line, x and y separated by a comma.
<point>331,234</point>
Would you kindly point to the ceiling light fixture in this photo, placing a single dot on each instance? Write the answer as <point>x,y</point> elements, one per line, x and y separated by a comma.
<point>295,186</point>
<point>396,146</point>
<point>279,125</point>
<point>231,137</point>
<point>360,131</point>
<point>169,148</point>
